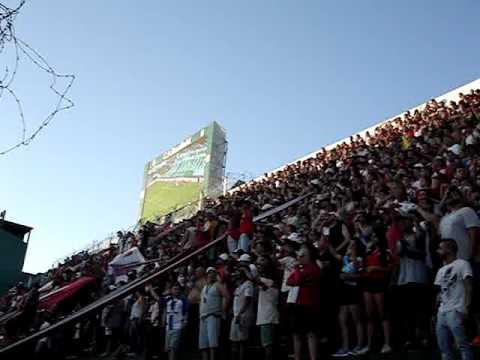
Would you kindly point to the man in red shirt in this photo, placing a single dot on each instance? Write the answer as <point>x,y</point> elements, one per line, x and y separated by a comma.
<point>246,227</point>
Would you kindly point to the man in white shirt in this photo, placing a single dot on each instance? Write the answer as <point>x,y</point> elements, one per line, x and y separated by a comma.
<point>214,303</point>
<point>243,313</point>
<point>267,313</point>
<point>461,224</point>
<point>455,282</point>
<point>287,263</point>
<point>176,307</point>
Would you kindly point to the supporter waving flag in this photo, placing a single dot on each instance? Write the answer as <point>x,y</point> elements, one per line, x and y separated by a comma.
<point>123,263</point>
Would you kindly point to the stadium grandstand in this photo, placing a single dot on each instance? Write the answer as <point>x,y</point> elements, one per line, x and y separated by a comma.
<point>334,254</point>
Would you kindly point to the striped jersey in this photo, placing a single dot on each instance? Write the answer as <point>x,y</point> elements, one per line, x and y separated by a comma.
<point>175,312</point>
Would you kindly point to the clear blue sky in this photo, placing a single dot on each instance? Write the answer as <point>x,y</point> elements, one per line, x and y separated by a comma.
<point>283,77</point>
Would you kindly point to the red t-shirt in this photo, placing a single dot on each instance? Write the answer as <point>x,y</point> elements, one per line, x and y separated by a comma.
<point>246,223</point>
<point>308,279</point>
<point>375,259</point>
<point>201,237</point>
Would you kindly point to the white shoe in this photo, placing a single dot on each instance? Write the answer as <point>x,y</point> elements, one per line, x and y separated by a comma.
<point>341,353</point>
<point>386,349</point>
<point>361,350</point>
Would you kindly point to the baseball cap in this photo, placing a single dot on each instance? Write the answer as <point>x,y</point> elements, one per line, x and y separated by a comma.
<point>245,258</point>
<point>456,149</point>
<point>211,269</point>
<point>267,207</point>
<point>295,238</point>
<point>223,257</point>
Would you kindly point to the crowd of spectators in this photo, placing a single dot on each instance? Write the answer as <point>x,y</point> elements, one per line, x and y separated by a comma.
<point>390,222</point>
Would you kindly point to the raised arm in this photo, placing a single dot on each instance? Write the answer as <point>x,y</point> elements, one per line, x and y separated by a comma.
<point>428,216</point>
<point>152,292</point>
<point>347,238</point>
<point>334,253</point>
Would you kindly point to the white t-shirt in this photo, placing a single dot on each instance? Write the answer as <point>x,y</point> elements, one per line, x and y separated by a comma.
<point>455,226</point>
<point>450,279</point>
<point>288,263</point>
<point>241,293</point>
<point>267,304</point>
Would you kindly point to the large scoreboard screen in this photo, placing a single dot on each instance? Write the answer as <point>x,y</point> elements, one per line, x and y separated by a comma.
<point>185,174</point>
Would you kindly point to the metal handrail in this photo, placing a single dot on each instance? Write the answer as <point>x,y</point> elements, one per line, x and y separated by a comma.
<point>130,288</point>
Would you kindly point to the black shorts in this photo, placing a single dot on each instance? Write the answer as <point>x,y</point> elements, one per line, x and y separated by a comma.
<point>374,286</point>
<point>303,319</point>
<point>349,294</point>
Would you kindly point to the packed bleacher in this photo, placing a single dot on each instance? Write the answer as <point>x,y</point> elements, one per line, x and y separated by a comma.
<point>381,255</point>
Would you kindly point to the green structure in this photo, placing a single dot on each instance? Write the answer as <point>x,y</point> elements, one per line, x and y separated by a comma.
<point>181,177</point>
<point>13,247</point>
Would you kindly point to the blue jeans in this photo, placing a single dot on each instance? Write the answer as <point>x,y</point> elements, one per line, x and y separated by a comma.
<point>451,323</point>
<point>244,243</point>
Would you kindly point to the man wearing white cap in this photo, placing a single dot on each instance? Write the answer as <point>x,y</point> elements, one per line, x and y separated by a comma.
<point>243,311</point>
<point>214,301</point>
<point>246,259</point>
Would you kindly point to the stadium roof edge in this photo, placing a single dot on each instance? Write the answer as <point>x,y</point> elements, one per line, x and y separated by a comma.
<point>15,228</point>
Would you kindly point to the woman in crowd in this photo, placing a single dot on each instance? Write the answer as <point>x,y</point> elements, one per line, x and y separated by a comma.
<point>375,281</point>
<point>363,228</point>
<point>350,298</point>
<point>304,316</point>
